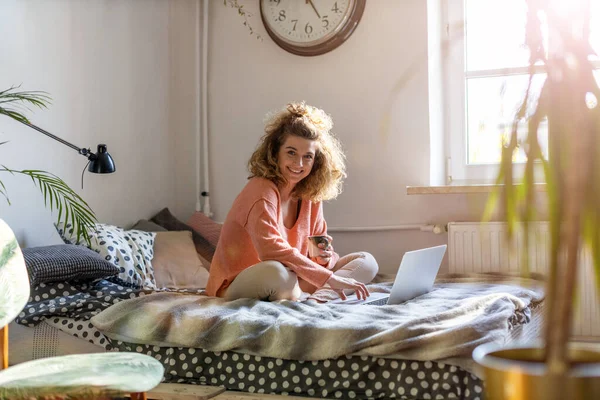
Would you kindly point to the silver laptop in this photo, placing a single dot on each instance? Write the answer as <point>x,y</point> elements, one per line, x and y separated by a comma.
<point>415,277</point>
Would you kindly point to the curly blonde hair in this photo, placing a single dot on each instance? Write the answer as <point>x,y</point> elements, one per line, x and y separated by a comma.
<point>329,169</point>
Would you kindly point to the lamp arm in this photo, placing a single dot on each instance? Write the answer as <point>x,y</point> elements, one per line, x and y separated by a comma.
<point>84,152</point>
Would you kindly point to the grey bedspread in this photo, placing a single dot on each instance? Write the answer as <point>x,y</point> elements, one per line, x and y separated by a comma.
<point>450,321</point>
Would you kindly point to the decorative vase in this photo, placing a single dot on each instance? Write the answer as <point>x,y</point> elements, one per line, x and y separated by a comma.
<point>519,372</point>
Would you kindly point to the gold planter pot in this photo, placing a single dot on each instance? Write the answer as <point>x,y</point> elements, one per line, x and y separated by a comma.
<point>519,373</point>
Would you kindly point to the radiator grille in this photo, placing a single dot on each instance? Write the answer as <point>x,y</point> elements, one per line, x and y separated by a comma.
<point>482,248</point>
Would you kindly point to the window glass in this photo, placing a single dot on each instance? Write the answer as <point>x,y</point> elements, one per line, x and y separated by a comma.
<point>490,68</point>
<point>495,34</point>
<point>492,104</point>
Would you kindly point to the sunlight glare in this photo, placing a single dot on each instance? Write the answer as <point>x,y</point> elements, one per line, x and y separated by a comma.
<point>495,34</point>
<point>590,100</point>
<point>567,9</point>
<point>573,11</point>
<point>495,40</point>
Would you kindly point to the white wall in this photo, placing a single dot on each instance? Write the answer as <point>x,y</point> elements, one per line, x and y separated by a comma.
<point>120,73</point>
<point>377,78</point>
<point>123,73</point>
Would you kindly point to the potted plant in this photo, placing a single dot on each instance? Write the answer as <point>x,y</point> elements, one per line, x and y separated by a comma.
<point>569,99</point>
<point>72,209</point>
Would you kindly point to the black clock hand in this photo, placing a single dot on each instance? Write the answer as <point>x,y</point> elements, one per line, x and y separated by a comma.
<point>314,8</point>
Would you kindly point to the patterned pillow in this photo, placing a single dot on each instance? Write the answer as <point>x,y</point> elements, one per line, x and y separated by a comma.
<point>64,262</point>
<point>131,251</point>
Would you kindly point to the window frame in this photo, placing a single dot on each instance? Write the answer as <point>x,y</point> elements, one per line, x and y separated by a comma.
<point>455,92</point>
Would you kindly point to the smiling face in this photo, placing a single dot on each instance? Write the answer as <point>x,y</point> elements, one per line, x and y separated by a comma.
<point>296,158</point>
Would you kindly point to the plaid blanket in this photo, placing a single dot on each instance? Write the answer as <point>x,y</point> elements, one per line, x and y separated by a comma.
<point>450,321</point>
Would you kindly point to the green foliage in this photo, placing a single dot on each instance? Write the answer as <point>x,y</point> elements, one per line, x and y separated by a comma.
<point>7,252</point>
<point>244,14</point>
<point>57,194</point>
<point>81,376</point>
<point>5,255</point>
<point>572,172</point>
<point>13,103</point>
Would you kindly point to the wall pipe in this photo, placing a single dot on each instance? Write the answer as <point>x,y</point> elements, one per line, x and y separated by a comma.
<point>434,228</point>
<point>437,228</point>
<point>199,106</point>
<point>202,111</point>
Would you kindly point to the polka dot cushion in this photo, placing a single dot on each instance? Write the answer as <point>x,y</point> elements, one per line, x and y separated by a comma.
<point>69,307</point>
<point>131,251</point>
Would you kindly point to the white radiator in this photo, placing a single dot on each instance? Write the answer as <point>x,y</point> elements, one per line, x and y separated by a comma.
<point>482,247</point>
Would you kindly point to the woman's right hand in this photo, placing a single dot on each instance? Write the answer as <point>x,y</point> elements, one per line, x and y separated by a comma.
<point>339,283</point>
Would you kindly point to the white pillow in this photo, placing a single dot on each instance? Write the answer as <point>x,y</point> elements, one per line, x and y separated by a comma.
<point>176,263</point>
<point>132,251</point>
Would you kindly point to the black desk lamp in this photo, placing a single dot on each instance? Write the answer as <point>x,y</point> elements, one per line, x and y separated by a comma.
<point>99,163</point>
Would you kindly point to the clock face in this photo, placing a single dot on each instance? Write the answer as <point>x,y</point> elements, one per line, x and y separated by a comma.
<point>310,27</point>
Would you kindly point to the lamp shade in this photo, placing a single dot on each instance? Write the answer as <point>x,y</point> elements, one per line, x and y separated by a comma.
<point>101,162</point>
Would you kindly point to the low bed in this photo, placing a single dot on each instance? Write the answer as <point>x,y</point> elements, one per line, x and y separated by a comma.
<point>243,362</point>
<point>88,301</point>
<point>44,340</point>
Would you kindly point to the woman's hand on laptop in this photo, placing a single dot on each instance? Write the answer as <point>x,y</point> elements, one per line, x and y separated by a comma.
<point>339,283</point>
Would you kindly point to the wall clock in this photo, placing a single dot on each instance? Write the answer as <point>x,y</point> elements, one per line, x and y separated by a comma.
<point>310,27</point>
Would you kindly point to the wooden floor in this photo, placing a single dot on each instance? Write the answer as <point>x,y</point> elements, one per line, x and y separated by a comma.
<point>178,391</point>
<point>227,395</point>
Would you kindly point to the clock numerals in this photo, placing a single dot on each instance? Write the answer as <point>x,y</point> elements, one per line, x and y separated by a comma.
<point>308,28</point>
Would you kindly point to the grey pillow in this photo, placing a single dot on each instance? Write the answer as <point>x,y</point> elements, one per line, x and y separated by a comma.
<point>167,220</point>
<point>63,262</point>
<point>148,226</point>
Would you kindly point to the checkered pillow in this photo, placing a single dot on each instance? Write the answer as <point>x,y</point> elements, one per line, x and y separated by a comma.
<point>131,251</point>
<point>65,262</point>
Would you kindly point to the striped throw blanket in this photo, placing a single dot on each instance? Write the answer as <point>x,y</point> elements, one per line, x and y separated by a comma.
<point>450,321</point>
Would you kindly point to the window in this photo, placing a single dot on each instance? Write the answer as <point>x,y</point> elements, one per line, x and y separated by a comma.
<point>486,75</point>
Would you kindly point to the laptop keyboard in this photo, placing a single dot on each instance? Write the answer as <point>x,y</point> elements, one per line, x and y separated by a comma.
<point>379,302</point>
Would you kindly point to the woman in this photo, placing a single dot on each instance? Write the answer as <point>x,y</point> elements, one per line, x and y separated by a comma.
<point>263,249</point>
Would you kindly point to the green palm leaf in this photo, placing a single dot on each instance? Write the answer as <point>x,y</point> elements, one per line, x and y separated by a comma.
<point>72,209</point>
<point>13,103</point>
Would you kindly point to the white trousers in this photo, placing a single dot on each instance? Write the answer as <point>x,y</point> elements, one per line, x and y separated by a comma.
<point>271,280</point>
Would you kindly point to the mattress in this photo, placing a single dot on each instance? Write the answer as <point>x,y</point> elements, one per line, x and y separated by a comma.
<point>346,377</point>
<point>61,319</point>
<point>43,340</point>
